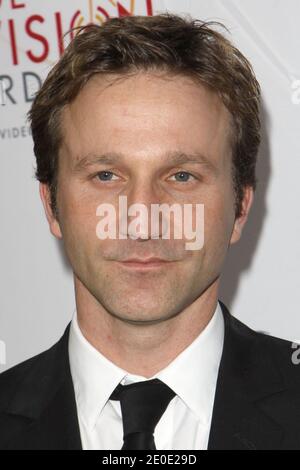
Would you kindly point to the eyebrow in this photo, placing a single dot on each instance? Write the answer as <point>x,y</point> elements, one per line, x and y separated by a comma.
<point>112,158</point>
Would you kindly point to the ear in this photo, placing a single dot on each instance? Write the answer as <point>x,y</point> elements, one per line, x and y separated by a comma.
<point>52,220</point>
<point>241,221</point>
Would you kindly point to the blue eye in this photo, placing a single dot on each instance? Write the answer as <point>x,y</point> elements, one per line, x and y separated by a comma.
<point>185,174</point>
<point>104,173</point>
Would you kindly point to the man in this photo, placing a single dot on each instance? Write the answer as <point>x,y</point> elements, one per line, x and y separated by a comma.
<point>159,110</point>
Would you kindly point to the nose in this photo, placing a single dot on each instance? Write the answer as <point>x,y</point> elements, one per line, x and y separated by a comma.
<point>140,225</point>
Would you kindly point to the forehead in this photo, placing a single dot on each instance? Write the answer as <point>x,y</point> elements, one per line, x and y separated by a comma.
<point>145,115</point>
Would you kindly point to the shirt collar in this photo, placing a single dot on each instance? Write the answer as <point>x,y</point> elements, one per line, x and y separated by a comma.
<point>192,374</point>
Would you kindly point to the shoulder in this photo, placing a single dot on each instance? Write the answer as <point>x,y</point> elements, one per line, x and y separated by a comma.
<point>33,371</point>
<point>266,349</point>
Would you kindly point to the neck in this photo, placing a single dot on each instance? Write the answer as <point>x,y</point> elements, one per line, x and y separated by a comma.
<point>145,348</point>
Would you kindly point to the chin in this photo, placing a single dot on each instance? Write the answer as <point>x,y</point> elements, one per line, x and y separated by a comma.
<point>140,319</point>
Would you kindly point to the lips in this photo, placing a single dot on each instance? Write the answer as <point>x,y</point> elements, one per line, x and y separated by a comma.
<point>144,260</point>
<point>146,264</point>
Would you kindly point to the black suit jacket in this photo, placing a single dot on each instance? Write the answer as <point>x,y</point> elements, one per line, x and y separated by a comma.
<point>257,401</point>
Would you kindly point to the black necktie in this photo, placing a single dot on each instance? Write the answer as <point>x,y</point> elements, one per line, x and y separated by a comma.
<point>142,405</point>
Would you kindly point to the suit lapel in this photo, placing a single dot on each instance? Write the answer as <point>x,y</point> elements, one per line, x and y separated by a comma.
<point>46,408</point>
<point>247,378</point>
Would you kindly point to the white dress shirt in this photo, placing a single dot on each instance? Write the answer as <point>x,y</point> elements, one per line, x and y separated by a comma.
<point>185,424</point>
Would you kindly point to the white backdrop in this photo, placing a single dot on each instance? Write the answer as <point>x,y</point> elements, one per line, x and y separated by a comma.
<point>260,283</point>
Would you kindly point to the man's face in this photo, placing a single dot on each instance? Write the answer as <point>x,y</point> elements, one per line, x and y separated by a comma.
<point>143,120</point>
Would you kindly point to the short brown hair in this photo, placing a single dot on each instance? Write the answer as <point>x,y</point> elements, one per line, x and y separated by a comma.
<point>167,42</point>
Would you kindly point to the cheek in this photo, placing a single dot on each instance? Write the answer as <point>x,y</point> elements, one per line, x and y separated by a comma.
<point>76,206</point>
<point>78,223</point>
<point>219,219</point>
